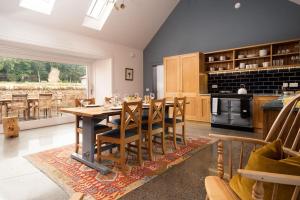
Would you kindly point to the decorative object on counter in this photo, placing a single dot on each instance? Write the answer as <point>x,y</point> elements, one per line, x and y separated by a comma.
<point>263,52</point>
<point>242,90</point>
<point>128,74</point>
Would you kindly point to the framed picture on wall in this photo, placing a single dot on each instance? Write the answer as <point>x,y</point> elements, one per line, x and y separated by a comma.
<point>128,74</point>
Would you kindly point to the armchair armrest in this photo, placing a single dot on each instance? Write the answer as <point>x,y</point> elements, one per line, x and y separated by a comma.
<point>270,177</point>
<point>239,139</point>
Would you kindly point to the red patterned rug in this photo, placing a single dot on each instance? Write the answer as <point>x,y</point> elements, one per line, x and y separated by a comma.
<point>73,176</point>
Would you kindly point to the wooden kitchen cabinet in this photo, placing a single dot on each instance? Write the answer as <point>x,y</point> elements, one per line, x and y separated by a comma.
<point>258,102</point>
<point>183,76</point>
<point>172,76</point>
<point>198,108</point>
<point>204,110</point>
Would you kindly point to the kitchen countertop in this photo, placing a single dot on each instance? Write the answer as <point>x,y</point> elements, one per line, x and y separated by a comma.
<point>273,105</point>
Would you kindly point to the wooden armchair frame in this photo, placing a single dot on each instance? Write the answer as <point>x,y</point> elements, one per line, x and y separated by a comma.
<point>287,128</point>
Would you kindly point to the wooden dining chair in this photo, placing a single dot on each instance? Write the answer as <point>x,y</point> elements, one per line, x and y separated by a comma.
<point>44,104</point>
<point>99,128</point>
<point>155,125</point>
<point>19,104</point>
<point>178,119</point>
<point>129,132</point>
<point>286,128</point>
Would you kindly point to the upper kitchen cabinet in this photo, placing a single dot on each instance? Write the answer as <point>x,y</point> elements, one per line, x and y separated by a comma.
<point>172,76</point>
<point>189,65</point>
<point>183,75</point>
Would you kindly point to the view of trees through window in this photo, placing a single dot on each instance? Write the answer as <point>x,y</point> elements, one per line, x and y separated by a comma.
<point>21,70</point>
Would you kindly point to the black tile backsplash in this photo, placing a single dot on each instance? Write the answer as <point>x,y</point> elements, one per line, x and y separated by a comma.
<point>263,81</point>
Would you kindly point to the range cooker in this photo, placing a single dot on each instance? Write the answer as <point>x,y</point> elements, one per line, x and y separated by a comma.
<point>232,111</point>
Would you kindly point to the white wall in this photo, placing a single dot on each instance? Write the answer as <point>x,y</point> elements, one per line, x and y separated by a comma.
<point>102,80</point>
<point>88,50</point>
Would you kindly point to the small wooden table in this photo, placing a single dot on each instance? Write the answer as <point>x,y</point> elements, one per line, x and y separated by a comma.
<point>89,116</point>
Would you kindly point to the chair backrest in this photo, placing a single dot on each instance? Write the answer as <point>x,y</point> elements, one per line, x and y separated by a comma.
<point>81,102</point>
<point>131,117</point>
<point>179,107</point>
<point>156,113</point>
<point>19,100</point>
<point>45,100</point>
<point>287,125</point>
<point>108,100</point>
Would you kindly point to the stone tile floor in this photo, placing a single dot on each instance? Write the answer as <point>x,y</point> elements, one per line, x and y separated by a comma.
<point>19,180</point>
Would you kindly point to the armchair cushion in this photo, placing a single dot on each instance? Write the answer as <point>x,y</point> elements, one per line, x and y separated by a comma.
<point>269,158</point>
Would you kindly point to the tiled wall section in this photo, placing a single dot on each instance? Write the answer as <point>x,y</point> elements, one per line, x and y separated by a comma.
<point>263,81</point>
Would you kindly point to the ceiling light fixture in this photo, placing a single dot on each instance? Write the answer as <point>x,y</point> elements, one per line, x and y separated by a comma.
<point>121,6</point>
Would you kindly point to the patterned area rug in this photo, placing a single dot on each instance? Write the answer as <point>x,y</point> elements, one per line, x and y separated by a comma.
<point>73,176</point>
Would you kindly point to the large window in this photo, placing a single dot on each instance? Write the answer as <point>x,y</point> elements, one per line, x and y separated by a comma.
<point>33,89</point>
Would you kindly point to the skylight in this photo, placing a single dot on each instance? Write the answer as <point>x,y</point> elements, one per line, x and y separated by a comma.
<point>42,6</point>
<point>98,13</point>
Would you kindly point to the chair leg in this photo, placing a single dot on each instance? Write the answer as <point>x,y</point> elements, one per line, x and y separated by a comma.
<point>98,150</point>
<point>183,134</point>
<point>139,151</point>
<point>174,137</point>
<point>122,156</point>
<point>150,149</point>
<point>163,145</point>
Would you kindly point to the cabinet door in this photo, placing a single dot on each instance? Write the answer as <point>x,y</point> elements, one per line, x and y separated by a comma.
<point>171,76</point>
<point>189,64</point>
<point>191,109</point>
<point>204,108</point>
<point>258,102</point>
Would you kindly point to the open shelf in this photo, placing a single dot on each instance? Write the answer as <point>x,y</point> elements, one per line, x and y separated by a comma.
<point>286,54</point>
<point>252,58</point>
<point>219,61</point>
<point>275,54</point>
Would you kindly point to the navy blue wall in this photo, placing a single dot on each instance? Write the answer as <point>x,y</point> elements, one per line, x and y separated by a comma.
<point>207,25</point>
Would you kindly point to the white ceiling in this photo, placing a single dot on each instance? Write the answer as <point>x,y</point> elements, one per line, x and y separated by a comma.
<point>295,1</point>
<point>134,26</point>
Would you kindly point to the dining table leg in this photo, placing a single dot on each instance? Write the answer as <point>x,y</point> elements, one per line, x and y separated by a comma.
<point>88,147</point>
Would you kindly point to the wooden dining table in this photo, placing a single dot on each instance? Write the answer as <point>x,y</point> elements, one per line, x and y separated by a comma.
<point>91,116</point>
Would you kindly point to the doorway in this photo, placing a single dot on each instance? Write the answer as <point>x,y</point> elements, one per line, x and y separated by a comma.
<point>158,81</point>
